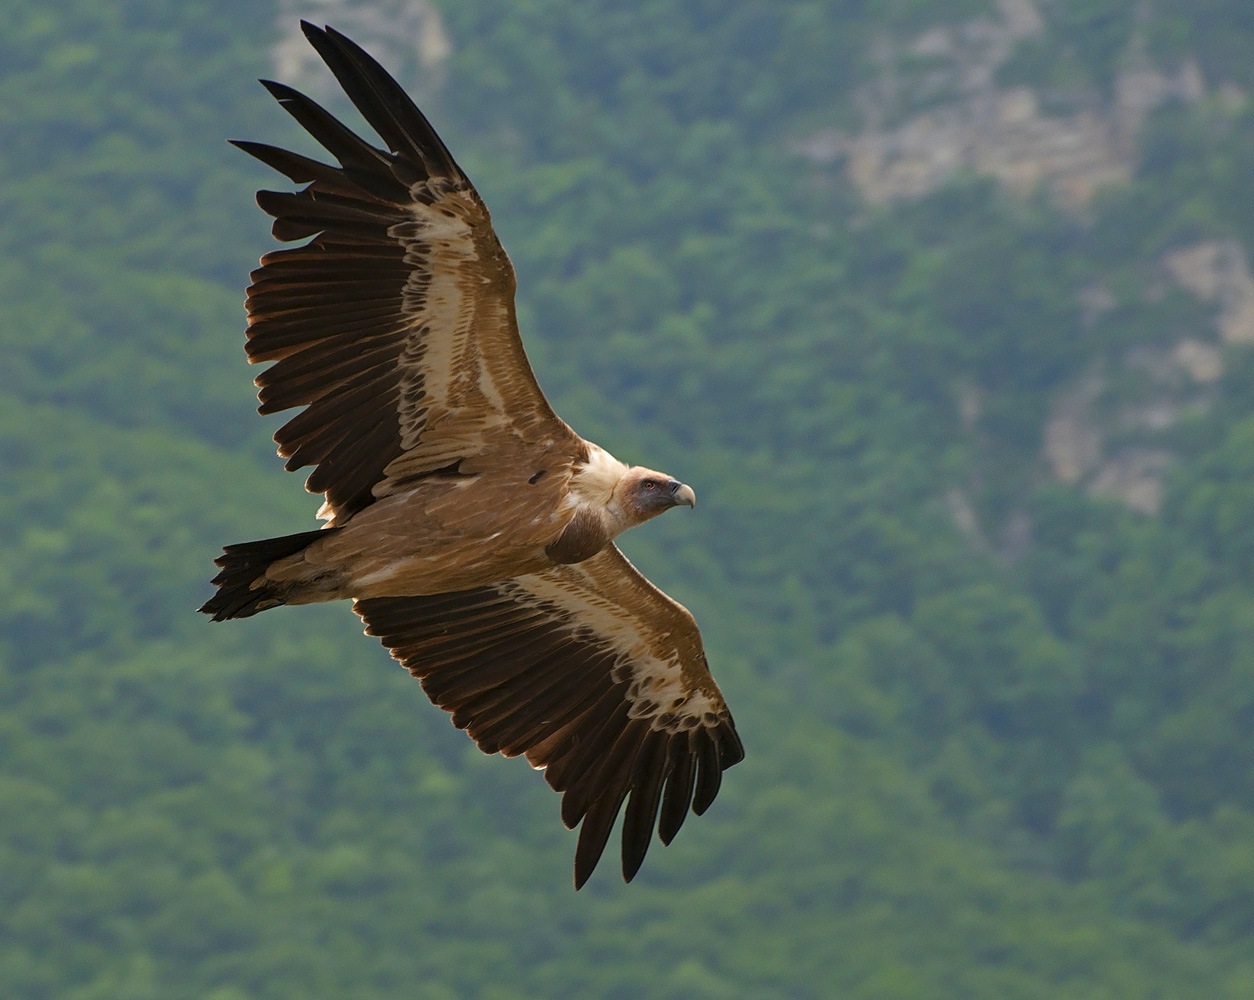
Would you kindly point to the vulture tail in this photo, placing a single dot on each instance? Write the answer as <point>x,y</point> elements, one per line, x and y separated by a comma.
<point>241,590</point>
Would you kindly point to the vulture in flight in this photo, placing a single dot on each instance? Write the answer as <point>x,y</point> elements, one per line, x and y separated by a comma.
<point>472,528</point>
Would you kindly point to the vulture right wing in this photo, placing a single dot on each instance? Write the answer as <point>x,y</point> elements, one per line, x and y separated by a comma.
<point>594,675</point>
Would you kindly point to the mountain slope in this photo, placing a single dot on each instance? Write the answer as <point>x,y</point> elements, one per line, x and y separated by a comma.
<point>996,722</point>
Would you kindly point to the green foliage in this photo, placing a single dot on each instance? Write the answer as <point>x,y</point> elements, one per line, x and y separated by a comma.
<point>968,776</point>
<point>1081,48</point>
<point>1086,42</point>
<point>1218,33</point>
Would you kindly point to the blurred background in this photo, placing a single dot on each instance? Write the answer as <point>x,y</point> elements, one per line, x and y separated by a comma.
<point>955,299</point>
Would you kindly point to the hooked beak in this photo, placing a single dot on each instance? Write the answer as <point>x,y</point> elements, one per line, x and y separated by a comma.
<point>682,494</point>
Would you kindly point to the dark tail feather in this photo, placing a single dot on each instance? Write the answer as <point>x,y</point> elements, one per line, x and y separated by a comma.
<point>242,564</point>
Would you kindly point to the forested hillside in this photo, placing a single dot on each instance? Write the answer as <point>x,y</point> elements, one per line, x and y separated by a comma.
<point>974,446</point>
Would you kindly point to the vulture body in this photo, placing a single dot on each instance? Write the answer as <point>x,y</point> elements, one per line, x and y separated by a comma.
<point>470,526</point>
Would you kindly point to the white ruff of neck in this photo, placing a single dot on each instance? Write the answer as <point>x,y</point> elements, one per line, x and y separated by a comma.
<point>593,484</point>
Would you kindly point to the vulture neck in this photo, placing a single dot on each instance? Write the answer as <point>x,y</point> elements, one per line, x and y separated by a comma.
<point>593,486</point>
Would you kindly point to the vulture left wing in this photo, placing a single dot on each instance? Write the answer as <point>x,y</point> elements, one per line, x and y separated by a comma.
<point>394,325</point>
<point>593,674</point>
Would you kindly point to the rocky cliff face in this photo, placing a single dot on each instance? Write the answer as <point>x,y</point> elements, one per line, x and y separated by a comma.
<point>936,109</point>
<point>1090,416</point>
<point>974,124</point>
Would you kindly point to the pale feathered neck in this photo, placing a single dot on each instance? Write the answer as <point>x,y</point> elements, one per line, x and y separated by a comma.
<point>594,482</point>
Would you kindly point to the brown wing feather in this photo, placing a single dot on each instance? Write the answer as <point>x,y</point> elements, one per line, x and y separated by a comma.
<point>594,675</point>
<point>394,325</point>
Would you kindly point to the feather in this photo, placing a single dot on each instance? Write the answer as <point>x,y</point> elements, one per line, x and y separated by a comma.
<point>646,790</point>
<point>677,796</point>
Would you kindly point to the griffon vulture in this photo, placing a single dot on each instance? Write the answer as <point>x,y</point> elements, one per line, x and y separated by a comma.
<point>471,527</point>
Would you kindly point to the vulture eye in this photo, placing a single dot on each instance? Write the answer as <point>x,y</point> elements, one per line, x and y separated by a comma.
<point>649,484</point>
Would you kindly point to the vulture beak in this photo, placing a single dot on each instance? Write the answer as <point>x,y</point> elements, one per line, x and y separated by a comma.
<point>681,494</point>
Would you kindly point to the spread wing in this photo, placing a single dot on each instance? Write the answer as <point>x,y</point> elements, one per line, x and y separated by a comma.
<point>594,675</point>
<point>394,325</point>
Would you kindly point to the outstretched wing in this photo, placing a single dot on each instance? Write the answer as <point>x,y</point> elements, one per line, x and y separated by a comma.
<point>394,325</point>
<point>594,675</point>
